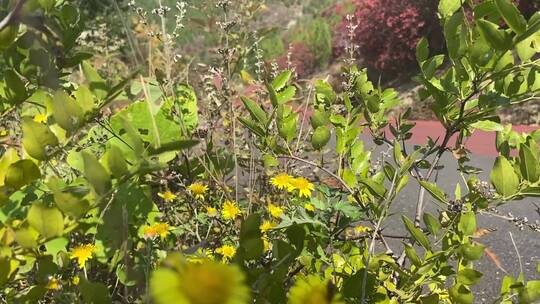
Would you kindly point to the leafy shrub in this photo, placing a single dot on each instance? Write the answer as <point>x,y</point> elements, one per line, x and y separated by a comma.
<point>387,32</point>
<point>299,58</point>
<point>317,36</point>
<point>272,46</point>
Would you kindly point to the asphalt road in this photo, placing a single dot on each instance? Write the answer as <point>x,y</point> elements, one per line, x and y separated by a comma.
<point>499,241</point>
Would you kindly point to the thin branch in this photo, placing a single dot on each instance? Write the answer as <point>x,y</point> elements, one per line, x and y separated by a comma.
<point>12,16</point>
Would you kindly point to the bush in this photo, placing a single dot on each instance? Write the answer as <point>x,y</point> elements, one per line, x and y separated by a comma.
<point>300,58</point>
<point>317,36</point>
<point>388,31</point>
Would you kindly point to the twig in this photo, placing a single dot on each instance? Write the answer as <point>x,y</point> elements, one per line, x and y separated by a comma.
<point>12,16</point>
<point>517,252</point>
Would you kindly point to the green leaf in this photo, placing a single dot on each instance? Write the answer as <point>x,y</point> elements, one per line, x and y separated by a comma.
<point>96,84</point>
<point>487,125</point>
<point>467,223</point>
<point>460,294</point>
<point>498,39</point>
<point>449,7</point>
<point>94,293</point>
<point>374,187</point>
<point>528,164</point>
<point>48,221</point>
<point>511,16</point>
<point>469,276</point>
<point>70,202</point>
<point>256,112</point>
<point>10,156</point>
<point>85,99</point>
<point>37,138</point>
<point>54,246</point>
<point>532,30</point>
<point>96,175</point>
<point>320,137</point>
<point>435,191</point>
<point>27,237</point>
<point>422,50</point>
<point>531,293</point>
<point>281,80</point>
<point>251,244</point>
<point>412,255</point>
<point>432,223</point>
<point>471,252</point>
<point>504,178</point>
<point>15,88</point>
<point>187,100</point>
<point>286,95</point>
<point>252,125</point>
<point>21,173</point>
<point>66,112</point>
<point>416,233</point>
<point>114,161</point>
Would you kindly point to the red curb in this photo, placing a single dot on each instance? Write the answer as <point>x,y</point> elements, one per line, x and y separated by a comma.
<point>480,143</point>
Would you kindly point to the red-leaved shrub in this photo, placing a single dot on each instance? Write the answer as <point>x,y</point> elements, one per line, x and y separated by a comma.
<point>300,58</point>
<point>387,32</point>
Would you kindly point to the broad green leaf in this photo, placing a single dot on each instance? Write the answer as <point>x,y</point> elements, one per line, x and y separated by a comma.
<point>21,173</point>
<point>66,112</point>
<point>27,237</point>
<point>96,175</point>
<point>115,162</point>
<point>511,16</point>
<point>252,125</point>
<point>251,244</point>
<point>257,113</point>
<point>187,100</point>
<point>471,252</point>
<point>467,223</point>
<point>422,50</point>
<point>432,223</point>
<point>487,125</point>
<point>435,191</point>
<point>37,139</point>
<point>460,294</point>
<point>281,80</point>
<point>374,187</point>
<point>532,29</point>
<point>469,276</point>
<point>416,233</point>
<point>449,7</point>
<point>10,156</point>
<point>531,293</point>
<point>498,39</point>
<point>320,137</point>
<point>94,293</point>
<point>54,246</point>
<point>528,164</point>
<point>412,255</point>
<point>504,178</point>
<point>70,203</point>
<point>85,99</point>
<point>15,88</point>
<point>287,127</point>
<point>96,84</point>
<point>48,221</point>
<point>286,95</point>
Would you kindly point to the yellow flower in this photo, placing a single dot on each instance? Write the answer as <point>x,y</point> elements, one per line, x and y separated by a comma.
<point>230,210</point>
<point>309,207</point>
<point>76,280</point>
<point>82,253</point>
<point>313,290</point>
<point>211,211</point>
<point>266,226</point>
<point>161,229</point>
<point>198,190</point>
<point>266,244</point>
<point>362,229</point>
<point>200,256</point>
<point>53,284</point>
<point>275,211</point>
<point>41,118</point>
<point>167,196</point>
<point>281,181</point>
<point>303,186</point>
<point>208,282</point>
<point>3,133</point>
<point>226,251</point>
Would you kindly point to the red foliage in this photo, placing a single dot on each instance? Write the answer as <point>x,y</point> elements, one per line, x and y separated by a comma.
<point>388,30</point>
<point>301,59</point>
